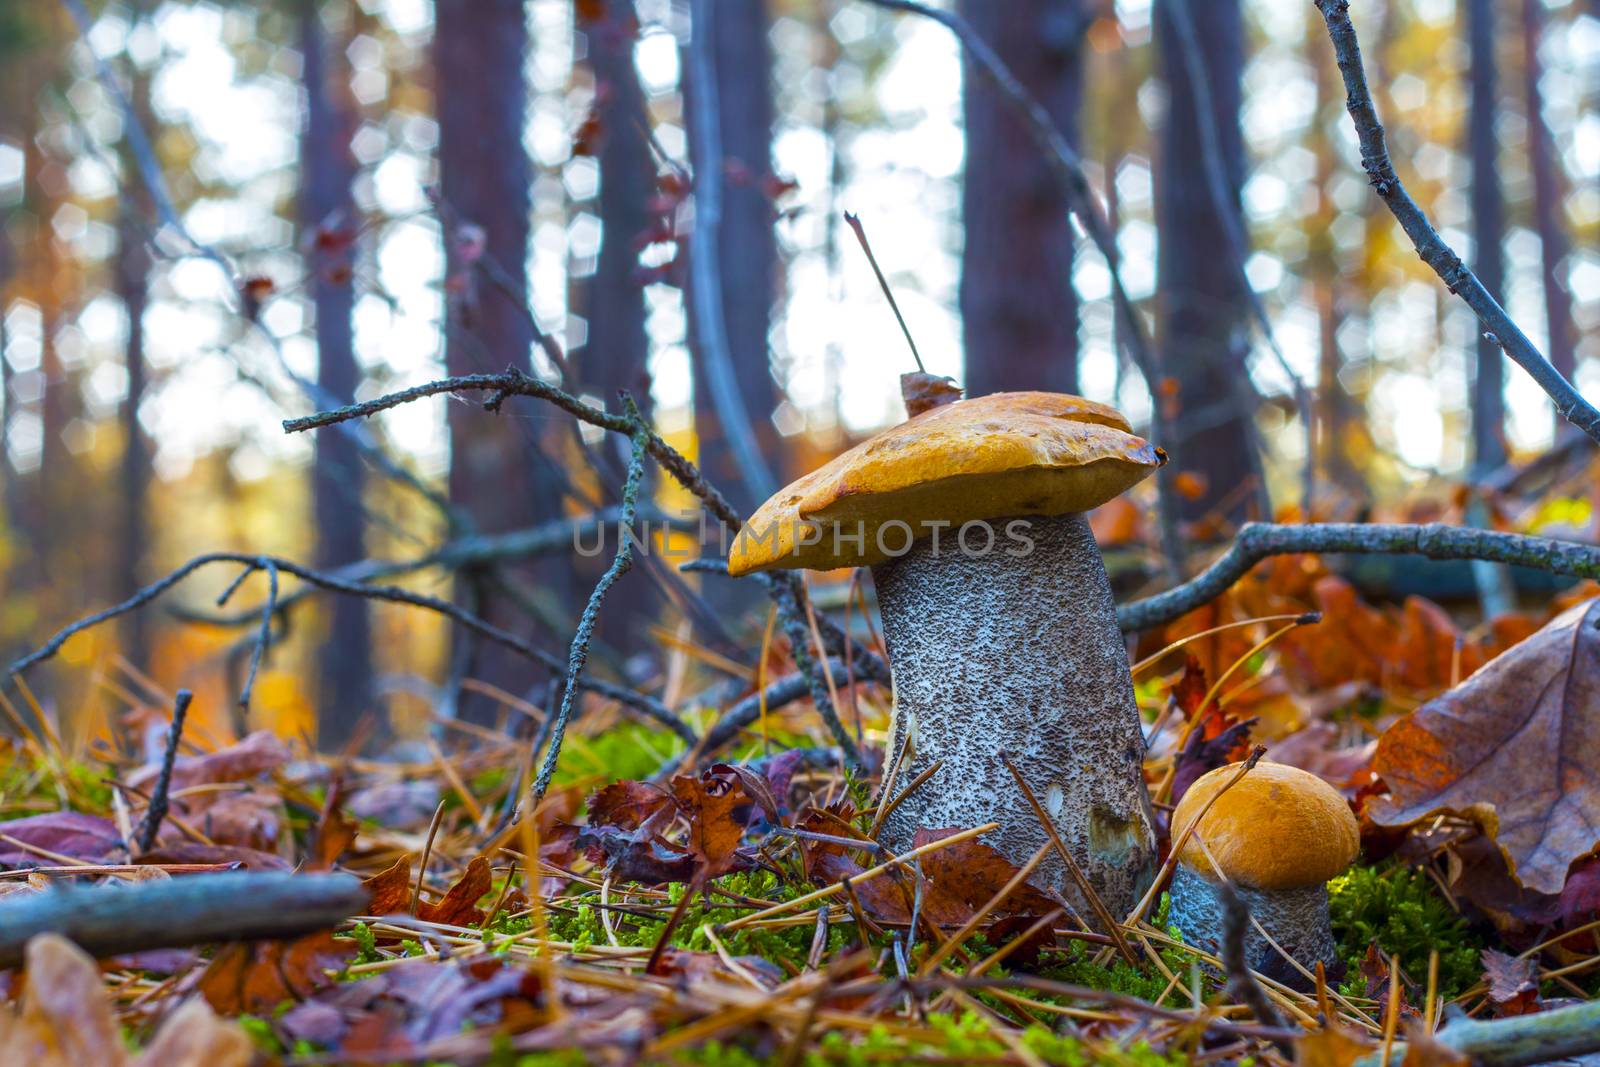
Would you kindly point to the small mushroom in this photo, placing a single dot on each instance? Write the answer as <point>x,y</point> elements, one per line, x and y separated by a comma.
<point>1001,630</point>
<point>1278,835</point>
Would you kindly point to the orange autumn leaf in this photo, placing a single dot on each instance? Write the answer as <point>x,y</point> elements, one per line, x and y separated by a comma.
<point>458,907</point>
<point>390,889</point>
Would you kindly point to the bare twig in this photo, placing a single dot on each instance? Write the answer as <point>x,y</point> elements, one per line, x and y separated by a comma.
<point>1460,280</point>
<point>883,283</point>
<point>1518,1040</point>
<point>578,655</point>
<point>1257,540</point>
<point>145,839</point>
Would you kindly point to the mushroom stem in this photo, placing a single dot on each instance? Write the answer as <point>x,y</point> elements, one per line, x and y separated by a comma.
<point>1018,650</point>
<point>1296,918</point>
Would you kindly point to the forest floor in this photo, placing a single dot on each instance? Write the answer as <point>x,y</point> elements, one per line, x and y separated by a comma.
<point>704,917</point>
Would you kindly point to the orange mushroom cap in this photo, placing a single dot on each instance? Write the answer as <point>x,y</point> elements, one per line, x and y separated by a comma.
<point>1279,827</point>
<point>989,457</point>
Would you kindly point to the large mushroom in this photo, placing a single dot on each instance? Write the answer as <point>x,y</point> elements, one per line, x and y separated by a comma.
<point>1278,834</point>
<point>1001,630</point>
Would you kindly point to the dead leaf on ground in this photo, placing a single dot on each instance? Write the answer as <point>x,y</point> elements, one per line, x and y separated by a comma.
<point>255,977</point>
<point>391,889</point>
<point>1513,982</point>
<point>70,833</point>
<point>65,1020</point>
<point>260,753</point>
<point>459,905</point>
<point>1513,747</point>
<point>708,802</point>
<point>1332,1046</point>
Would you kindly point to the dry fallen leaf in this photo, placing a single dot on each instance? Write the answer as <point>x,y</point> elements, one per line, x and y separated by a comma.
<point>65,1020</point>
<point>458,907</point>
<point>1513,983</point>
<point>1515,747</point>
<point>255,977</point>
<point>391,889</point>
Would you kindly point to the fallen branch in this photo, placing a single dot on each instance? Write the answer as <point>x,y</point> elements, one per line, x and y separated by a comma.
<point>1516,1041</point>
<point>1241,983</point>
<point>1257,540</point>
<point>1458,278</point>
<point>106,920</point>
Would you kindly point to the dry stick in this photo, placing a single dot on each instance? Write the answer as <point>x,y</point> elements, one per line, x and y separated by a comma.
<point>883,283</point>
<point>899,862</point>
<point>1256,541</point>
<point>886,810</point>
<point>1068,168</point>
<point>1078,877</point>
<point>1497,325</point>
<point>1235,922</point>
<point>1156,657</point>
<point>157,811</point>
<point>1183,837</point>
<point>177,912</point>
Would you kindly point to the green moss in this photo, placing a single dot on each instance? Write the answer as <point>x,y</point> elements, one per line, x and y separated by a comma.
<point>1398,909</point>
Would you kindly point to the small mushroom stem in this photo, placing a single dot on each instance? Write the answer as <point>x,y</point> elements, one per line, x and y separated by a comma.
<point>1296,918</point>
<point>1017,650</point>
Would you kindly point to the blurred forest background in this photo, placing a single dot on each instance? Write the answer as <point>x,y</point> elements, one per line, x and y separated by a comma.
<point>324,200</point>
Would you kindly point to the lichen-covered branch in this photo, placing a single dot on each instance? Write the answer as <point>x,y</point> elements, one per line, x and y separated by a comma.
<point>578,655</point>
<point>1457,277</point>
<point>1256,541</point>
<point>1516,1041</point>
<point>177,912</point>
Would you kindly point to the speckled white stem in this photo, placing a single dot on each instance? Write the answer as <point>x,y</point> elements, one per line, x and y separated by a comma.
<point>1019,653</point>
<point>1297,919</point>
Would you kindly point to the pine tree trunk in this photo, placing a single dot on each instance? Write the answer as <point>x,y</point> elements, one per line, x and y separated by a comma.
<point>746,245</point>
<point>1488,233</point>
<point>328,223</point>
<point>1019,310</point>
<point>1202,306</point>
<point>500,472</point>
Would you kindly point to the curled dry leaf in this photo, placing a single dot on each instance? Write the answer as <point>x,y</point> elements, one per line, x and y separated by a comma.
<point>255,977</point>
<point>391,889</point>
<point>458,907</point>
<point>1515,747</point>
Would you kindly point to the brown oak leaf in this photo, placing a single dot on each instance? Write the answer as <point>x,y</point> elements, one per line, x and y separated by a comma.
<point>1516,747</point>
<point>1513,985</point>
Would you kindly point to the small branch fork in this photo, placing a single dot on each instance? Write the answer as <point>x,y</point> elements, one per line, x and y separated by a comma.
<point>786,589</point>
<point>1458,278</point>
<point>1257,540</point>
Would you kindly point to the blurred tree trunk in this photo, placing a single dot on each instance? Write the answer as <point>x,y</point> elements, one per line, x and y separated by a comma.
<point>498,474</point>
<point>746,244</point>
<point>1547,197</point>
<point>328,226</point>
<point>1337,416</point>
<point>1019,310</point>
<point>1488,233</point>
<point>612,299</point>
<point>1202,309</point>
<point>132,280</point>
